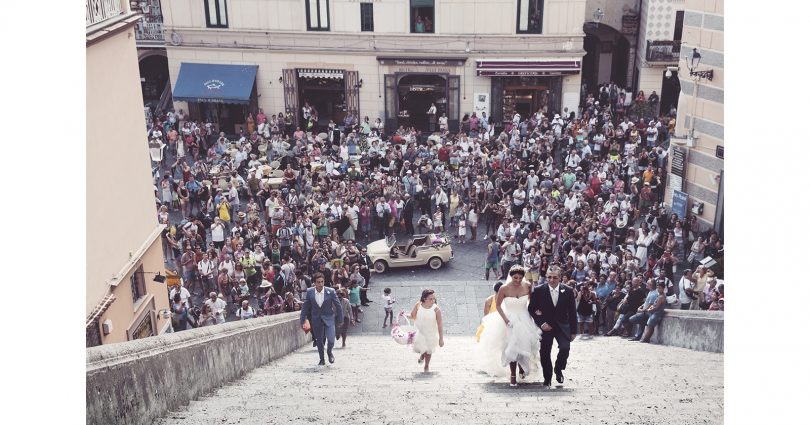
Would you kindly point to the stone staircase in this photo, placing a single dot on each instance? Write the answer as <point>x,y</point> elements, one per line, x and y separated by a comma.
<point>376,381</point>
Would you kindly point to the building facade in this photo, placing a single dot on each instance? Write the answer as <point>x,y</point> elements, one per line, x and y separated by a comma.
<point>124,247</point>
<point>697,152</point>
<point>387,59</point>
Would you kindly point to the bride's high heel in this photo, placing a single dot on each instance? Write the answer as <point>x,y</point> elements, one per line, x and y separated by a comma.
<point>513,382</point>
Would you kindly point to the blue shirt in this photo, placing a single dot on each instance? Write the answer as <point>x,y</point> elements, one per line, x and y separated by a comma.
<point>652,296</point>
<point>602,291</point>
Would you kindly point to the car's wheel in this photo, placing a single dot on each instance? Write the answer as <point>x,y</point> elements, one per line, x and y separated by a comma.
<point>381,266</point>
<point>435,263</point>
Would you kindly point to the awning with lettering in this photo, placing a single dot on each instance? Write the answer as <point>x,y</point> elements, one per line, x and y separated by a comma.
<point>329,74</point>
<point>214,83</point>
<point>526,67</point>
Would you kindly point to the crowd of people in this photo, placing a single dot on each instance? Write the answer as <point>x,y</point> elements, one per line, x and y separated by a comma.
<point>251,218</point>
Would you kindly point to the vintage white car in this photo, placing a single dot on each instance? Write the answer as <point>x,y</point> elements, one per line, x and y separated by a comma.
<point>431,249</point>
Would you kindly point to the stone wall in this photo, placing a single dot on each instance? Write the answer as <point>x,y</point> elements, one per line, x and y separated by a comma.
<point>138,381</point>
<point>697,330</point>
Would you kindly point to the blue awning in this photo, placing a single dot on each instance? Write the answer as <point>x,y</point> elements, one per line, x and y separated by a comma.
<point>214,83</point>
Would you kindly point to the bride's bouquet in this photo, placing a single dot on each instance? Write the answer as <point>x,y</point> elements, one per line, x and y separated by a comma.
<point>403,334</point>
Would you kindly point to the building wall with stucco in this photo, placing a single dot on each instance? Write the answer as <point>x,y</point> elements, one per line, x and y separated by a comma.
<point>122,229</point>
<point>274,36</point>
<point>700,110</point>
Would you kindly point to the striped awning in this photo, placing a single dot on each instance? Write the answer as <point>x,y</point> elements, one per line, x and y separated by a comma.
<point>100,308</point>
<point>526,67</point>
<point>329,74</point>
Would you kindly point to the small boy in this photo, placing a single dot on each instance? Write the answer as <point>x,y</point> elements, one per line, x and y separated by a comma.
<point>388,305</point>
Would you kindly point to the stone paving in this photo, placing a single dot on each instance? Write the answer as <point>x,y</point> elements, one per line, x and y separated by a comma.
<point>376,381</point>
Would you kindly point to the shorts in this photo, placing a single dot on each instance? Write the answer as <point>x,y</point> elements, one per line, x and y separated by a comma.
<point>584,319</point>
<point>533,276</point>
<point>491,265</point>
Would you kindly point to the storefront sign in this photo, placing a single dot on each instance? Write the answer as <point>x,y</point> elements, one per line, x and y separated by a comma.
<point>407,69</point>
<point>522,73</point>
<point>209,100</point>
<point>630,24</point>
<point>678,161</point>
<point>679,202</point>
<point>422,61</point>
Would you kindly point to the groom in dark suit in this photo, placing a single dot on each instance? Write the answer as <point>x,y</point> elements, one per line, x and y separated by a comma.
<point>552,305</point>
<point>323,309</point>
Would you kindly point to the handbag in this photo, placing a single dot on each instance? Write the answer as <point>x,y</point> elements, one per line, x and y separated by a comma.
<point>672,299</point>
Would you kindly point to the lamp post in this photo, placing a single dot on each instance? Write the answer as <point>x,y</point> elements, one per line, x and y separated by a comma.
<point>692,63</point>
<point>598,14</point>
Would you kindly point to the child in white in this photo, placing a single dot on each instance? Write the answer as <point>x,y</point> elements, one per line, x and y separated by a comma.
<point>462,228</point>
<point>388,305</point>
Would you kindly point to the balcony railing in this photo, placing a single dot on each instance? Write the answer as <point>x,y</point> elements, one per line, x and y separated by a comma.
<point>663,50</point>
<point>149,31</point>
<point>101,10</point>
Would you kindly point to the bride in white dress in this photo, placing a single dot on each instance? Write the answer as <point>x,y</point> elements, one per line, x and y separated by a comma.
<point>510,337</point>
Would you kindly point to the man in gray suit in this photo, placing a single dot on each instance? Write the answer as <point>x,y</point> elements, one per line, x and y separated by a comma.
<point>322,308</point>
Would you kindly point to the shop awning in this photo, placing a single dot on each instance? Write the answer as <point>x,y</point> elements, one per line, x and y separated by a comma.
<point>526,67</point>
<point>100,308</point>
<point>214,83</point>
<point>329,74</point>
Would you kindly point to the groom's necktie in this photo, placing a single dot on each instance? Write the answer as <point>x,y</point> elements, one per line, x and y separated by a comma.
<point>555,295</point>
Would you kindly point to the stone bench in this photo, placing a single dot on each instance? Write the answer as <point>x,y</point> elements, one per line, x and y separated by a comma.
<point>138,381</point>
<point>693,329</point>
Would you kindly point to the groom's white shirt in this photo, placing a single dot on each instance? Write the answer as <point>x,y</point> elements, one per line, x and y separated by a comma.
<point>319,296</point>
<point>555,294</point>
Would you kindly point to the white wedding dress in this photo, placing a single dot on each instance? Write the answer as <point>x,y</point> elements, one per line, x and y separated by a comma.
<point>500,345</point>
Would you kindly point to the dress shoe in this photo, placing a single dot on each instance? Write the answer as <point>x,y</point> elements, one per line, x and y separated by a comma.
<point>635,338</point>
<point>559,375</point>
<point>321,363</point>
<point>364,305</point>
<point>331,358</point>
<point>547,384</point>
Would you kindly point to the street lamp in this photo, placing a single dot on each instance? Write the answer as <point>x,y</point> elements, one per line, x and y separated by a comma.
<point>694,62</point>
<point>597,16</point>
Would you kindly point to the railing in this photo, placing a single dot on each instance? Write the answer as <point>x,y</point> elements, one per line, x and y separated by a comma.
<point>663,50</point>
<point>101,10</point>
<point>149,31</point>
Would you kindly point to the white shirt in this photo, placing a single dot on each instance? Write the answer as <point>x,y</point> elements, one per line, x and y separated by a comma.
<point>319,296</point>
<point>184,294</point>
<point>555,294</point>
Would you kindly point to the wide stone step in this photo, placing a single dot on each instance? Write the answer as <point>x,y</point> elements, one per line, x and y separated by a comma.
<point>375,380</point>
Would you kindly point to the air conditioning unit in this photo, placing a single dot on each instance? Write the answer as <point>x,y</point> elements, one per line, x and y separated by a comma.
<point>107,327</point>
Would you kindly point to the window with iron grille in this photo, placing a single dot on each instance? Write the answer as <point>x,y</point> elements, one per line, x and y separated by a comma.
<point>317,15</point>
<point>216,13</point>
<point>137,284</point>
<point>366,16</point>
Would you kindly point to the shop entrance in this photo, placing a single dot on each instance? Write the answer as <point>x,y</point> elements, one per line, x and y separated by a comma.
<point>227,117</point>
<point>525,95</point>
<point>326,95</point>
<point>416,92</point>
